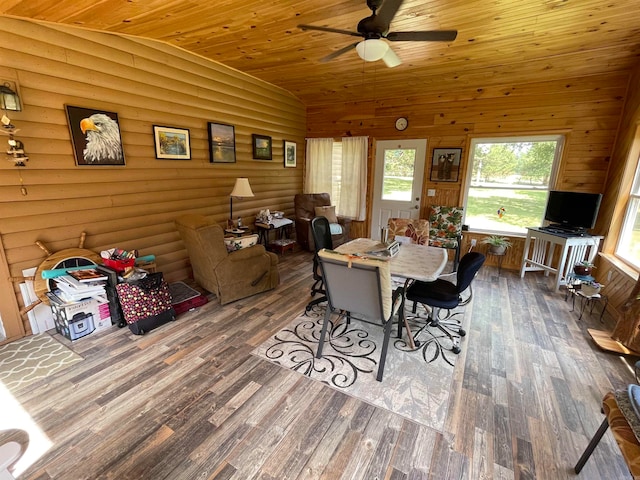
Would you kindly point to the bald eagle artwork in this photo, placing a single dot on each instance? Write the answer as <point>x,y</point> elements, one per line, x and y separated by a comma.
<point>96,136</point>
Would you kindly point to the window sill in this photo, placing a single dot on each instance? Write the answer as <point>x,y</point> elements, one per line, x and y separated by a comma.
<point>621,266</point>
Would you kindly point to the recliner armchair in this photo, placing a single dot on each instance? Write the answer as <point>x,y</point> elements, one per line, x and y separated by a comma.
<point>230,275</point>
<point>305,210</point>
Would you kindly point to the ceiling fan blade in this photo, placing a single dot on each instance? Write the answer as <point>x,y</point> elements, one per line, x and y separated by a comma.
<point>385,15</point>
<point>337,53</point>
<point>330,30</point>
<point>427,36</point>
<point>391,59</point>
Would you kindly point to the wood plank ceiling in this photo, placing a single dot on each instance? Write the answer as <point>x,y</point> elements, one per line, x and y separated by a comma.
<point>499,41</point>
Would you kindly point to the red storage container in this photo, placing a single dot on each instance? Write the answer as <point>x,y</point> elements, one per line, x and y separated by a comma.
<point>119,265</point>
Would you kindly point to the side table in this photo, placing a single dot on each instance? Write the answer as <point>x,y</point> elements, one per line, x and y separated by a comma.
<point>585,300</point>
<point>237,232</point>
<point>281,227</point>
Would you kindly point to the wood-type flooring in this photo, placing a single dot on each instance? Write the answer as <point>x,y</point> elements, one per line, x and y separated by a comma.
<point>188,400</point>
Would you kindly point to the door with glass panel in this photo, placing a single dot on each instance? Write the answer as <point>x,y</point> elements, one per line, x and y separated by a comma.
<point>397,183</point>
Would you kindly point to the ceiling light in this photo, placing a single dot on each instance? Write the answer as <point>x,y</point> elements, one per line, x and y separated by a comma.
<point>372,49</point>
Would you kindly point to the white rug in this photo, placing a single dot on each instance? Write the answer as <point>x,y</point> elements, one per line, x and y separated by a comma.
<point>416,384</point>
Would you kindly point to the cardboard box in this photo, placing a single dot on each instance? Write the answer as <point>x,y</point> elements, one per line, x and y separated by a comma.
<point>78,319</point>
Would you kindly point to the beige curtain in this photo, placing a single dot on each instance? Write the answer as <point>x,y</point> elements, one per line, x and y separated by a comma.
<point>318,165</point>
<point>350,199</point>
<point>353,185</point>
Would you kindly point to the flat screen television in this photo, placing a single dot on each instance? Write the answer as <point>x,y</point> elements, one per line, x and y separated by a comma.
<point>573,211</point>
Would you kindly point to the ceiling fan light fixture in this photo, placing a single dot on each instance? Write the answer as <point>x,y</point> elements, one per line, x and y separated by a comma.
<point>372,49</point>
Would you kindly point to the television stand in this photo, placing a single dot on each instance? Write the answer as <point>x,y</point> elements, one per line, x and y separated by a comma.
<point>539,247</point>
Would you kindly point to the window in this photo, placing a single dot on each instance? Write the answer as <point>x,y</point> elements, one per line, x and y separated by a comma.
<point>508,182</point>
<point>629,242</point>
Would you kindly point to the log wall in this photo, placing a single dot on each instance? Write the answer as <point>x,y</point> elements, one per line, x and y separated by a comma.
<point>132,207</point>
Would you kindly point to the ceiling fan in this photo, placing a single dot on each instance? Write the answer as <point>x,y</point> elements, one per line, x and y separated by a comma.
<point>376,27</point>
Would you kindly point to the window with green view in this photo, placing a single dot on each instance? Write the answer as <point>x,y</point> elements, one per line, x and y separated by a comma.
<point>508,181</point>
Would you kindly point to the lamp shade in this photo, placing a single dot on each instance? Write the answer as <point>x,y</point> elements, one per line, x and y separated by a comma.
<point>372,49</point>
<point>242,188</point>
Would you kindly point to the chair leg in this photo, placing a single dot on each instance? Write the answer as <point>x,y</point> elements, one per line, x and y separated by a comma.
<point>327,315</point>
<point>592,445</point>
<point>385,346</point>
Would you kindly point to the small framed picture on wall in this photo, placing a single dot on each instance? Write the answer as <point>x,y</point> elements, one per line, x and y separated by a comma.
<point>261,147</point>
<point>289,154</point>
<point>445,164</point>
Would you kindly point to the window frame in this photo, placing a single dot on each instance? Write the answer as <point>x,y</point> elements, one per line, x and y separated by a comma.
<point>561,140</point>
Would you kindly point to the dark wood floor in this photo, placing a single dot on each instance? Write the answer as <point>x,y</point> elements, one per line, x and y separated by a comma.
<point>189,401</point>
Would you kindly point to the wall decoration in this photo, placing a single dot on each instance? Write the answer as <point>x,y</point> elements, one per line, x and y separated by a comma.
<point>261,147</point>
<point>172,143</point>
<point>445,165</point>
<point>95,135</point>
<point>289,154</point>
<point>222,143</point>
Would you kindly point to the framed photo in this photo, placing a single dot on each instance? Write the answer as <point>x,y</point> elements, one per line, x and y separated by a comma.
<point>445,165</point>
<point>261,147</point>
<point>172,143</point>
<point>95,135</point>
<point>222,143</point>
<point>289,154</point>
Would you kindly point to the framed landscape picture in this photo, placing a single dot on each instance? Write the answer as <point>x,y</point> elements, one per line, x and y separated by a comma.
<point>445,164</point>
<point>95,135</point>
<point>222,143</point>
<point>261,147</point>
<point>289,154</point>
<point>172,143</point>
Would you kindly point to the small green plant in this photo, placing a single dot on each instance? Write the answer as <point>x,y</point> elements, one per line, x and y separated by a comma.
<point>497,241</point>
<point>585,263</point>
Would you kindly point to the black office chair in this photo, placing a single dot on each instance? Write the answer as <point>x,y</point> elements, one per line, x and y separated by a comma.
<point>442,294</point>
<point>321,232</point>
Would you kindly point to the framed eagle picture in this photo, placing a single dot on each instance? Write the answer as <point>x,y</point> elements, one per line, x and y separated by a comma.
<point>95,135</point>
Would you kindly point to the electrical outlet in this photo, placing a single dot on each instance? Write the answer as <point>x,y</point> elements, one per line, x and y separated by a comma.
<point>473,242</point>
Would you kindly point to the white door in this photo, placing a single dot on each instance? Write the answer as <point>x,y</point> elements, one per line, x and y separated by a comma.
<point>397,184</point>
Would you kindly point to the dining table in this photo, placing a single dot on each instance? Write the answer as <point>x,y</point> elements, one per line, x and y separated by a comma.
<point>412,262</point>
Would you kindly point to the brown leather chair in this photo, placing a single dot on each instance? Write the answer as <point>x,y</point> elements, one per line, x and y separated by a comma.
<point>230,275</point>
<point>305,210</point>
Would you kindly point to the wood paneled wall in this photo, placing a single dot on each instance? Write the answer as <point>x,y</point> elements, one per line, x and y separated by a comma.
<point>587,110</point>
<point>620,278</point>
<point>131,207</point>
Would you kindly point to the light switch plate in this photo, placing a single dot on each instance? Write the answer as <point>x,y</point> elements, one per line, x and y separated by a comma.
<point>431,192</point>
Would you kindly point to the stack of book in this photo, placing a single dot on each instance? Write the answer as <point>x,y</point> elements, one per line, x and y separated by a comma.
<point>77,285</point>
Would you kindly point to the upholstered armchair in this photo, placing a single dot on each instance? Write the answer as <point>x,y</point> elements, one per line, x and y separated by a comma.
<point>230,275</point>
<point>417,229</point>
<point>445,229</point>
<point>309,205</point>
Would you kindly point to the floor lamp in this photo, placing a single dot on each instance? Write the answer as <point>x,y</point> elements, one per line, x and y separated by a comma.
<point>241,189</point>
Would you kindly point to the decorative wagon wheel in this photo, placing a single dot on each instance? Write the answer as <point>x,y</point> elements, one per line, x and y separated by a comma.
<point>67,258</point>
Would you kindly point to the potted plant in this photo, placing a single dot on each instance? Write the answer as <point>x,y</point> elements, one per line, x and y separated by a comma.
<point>497,244</point>
<point>583,268</point>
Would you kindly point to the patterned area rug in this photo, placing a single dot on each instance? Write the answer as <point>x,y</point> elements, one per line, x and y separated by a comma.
<point>32,358</point>
<point>416,384</point>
